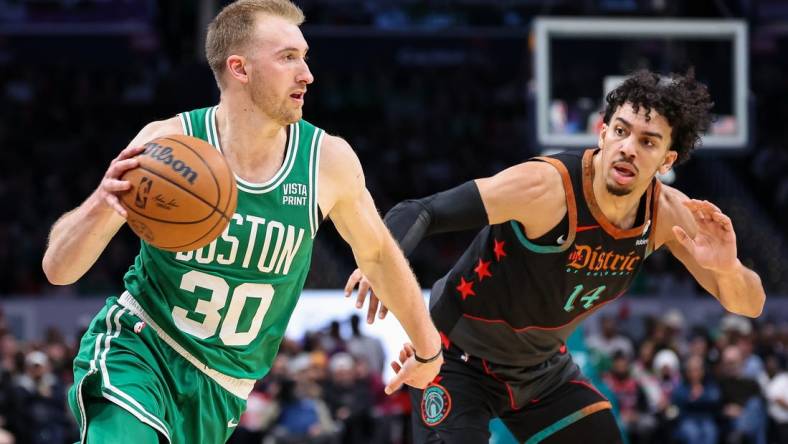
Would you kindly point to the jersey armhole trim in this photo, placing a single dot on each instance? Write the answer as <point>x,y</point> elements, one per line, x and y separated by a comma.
<point>188,129</point>
<point>182,117</point>
<point>652,236</point>
<point>314,174</point>
<point>571,212</point>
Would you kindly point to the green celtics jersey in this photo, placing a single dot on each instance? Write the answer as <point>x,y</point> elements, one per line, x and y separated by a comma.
<point>225,306</point>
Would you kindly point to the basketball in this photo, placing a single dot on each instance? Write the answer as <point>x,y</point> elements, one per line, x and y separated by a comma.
<point>183,193</point>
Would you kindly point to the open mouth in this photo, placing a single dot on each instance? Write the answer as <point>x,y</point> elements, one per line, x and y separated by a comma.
<point>626,172</point>
<point>625,168</point>
<point>298,95</point>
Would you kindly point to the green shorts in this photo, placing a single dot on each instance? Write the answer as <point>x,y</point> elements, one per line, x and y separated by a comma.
<point>123,361</point>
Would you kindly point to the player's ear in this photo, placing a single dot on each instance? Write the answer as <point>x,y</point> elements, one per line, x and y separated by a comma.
<point>602,132</point>
<point>670,159</point>
<point>236,67</point>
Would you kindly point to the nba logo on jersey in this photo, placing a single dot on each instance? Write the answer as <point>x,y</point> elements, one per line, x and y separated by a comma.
<point>138,327</point>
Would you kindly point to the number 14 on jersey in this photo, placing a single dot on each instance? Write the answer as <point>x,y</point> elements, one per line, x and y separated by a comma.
<point>588,300</point>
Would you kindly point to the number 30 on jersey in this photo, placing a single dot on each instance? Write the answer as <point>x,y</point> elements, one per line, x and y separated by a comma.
<point>210,308</point>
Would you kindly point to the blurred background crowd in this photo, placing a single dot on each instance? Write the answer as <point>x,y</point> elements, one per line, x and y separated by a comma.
<point>430,93</point>
<point>724,381</point>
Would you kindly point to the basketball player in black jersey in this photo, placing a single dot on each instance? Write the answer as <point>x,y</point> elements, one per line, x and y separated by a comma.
<point>562,236</point>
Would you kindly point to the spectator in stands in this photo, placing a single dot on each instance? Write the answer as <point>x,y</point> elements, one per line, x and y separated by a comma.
<point>9,351</point>
<point>666,368</point>
<point>752,364</point>
<point>349,400</point>
<point>303,415</point>
<point>768,341</point>
<point>609,340</point>
<point>674,323</point>
<point>634,413</point>
<point>734,326</point>
<point>59,354</point>
<point>41,399</point>
<point>8,404</point>
<point>742,405</point>
<point>365,347</point>
<point>697,399</point>
<point>777,397</point>
<point>700,345</point>
<point>332,342</point>
<point>643,372</point>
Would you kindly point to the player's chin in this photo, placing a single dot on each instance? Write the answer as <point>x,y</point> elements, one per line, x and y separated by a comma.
<point>291,117</point>
<point>619,190</point>
<point>296,114</point>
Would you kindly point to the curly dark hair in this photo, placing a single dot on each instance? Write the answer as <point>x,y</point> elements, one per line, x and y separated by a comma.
<point>681,99</point>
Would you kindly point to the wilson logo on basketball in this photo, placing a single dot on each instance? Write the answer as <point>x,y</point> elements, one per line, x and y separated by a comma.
<point>141,199</point>
<point>164,155</point>
<point>595,259</point>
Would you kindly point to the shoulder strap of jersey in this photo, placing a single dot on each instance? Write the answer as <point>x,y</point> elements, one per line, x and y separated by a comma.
<point>656,189</point>
<point>568,165</point>
<point>315,136</point>
<point>199,123</point>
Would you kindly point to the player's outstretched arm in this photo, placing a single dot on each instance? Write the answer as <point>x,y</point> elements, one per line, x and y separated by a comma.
<point>80,235</point>
<point>703,239</point>
<point>344,197</point>
<point>531,193</point>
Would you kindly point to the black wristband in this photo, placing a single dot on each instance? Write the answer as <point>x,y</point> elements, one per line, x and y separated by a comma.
<point>427,360</point>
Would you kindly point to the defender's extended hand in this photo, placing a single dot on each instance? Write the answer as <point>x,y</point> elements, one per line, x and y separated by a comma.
<point>411,372</point>
<point>714,244</point>
<point>358,278</point>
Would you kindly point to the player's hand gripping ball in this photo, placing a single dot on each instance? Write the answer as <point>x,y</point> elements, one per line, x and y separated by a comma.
<point>183,193</point>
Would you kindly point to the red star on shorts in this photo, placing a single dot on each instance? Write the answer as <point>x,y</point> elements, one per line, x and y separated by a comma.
<point>498,250</point>
<point>465,288</point>
<point>483,269</point>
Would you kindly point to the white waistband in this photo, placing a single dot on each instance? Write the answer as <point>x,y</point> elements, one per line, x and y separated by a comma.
<point>238,387</point>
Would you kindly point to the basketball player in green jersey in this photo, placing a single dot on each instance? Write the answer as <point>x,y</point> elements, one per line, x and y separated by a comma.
<point>174,358</point>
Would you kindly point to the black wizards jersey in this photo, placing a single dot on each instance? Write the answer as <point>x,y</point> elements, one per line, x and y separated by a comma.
<point>515,301</point>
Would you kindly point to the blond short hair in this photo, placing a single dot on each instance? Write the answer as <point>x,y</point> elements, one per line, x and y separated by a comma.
<point>234,24</point>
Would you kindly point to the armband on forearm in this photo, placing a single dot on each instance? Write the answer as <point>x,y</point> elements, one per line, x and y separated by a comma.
<point>460,208</point>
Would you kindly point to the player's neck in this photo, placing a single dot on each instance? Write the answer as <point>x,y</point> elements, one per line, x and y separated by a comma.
<point>251,142</point>
<point>621,211</point>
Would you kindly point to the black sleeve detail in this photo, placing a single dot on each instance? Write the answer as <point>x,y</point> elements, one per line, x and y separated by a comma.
<point>460,208</point>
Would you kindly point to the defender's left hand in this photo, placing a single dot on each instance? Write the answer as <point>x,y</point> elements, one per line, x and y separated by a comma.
<point>364,287</point>
<point>714,244</point>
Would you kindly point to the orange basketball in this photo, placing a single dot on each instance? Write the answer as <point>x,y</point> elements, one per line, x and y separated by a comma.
<point>183,193</point>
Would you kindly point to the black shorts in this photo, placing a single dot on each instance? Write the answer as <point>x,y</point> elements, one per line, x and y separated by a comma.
<point>458,406</point>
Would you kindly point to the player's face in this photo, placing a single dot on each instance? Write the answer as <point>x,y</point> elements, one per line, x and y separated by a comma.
<point>278,73</point>
<point>634,149</point>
